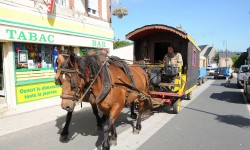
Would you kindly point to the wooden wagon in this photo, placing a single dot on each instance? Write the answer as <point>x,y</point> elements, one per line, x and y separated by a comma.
<point>150,46</point>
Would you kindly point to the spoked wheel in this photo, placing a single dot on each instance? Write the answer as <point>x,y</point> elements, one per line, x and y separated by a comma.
<point>177,106</point>
<point>189,96</point>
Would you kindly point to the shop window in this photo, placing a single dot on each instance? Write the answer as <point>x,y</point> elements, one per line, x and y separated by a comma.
<point>194,58</point>
<point>34,56</point>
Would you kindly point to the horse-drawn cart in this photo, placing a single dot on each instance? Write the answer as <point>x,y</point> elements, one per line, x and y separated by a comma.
<point>168,84</point>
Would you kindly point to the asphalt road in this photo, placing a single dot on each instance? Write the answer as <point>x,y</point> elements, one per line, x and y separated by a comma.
<point>216,119</point>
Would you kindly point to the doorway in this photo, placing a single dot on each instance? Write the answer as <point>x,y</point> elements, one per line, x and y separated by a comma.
<point>161,48</point>
<point>2,92</point>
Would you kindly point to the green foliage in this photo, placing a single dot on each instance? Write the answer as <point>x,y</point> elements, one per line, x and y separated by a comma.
<point>235,59</point>
<point>119,44</point>
<point>238,61</point>
<point>216,57</point>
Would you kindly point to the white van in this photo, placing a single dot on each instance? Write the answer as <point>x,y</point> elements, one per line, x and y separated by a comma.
<point>212,66</point>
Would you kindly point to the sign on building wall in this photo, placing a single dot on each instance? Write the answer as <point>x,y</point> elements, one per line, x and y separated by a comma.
<point>50,6</point>
<point>27,93</point>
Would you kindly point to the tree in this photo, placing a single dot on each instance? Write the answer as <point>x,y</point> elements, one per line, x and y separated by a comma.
<point>118,44</point>
<point>216,58</point>
<point>235,60</point>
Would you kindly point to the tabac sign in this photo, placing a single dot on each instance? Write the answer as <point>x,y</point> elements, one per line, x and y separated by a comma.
<point>31,36</point>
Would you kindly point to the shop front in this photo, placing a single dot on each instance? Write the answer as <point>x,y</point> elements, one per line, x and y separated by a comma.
<point>30,55</point>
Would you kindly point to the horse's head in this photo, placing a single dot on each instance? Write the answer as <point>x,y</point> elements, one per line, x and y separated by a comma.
<point>74,75</point>
<point>70,79</point>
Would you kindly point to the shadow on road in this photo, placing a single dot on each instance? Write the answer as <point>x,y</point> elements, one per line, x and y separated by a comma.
<point>229,96</point>
<point>235,120</point>
<point>231,85</point>
<point>84,123</point>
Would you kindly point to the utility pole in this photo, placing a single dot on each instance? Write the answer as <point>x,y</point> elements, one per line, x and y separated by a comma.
<point>225,42</point>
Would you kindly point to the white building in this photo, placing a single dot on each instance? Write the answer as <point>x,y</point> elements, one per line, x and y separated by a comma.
<point>126,52</point>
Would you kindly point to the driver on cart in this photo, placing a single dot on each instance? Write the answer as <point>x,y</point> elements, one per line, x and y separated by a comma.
<point>171,63</point>
<point>172,58</point>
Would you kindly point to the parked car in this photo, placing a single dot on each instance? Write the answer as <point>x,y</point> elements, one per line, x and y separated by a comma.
<point>247,88</point>
<point>242,73</point>
<point>210,71</point>
<point>220,72</point>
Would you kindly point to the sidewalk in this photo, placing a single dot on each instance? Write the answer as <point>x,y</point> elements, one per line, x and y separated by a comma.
<point>19,121</point>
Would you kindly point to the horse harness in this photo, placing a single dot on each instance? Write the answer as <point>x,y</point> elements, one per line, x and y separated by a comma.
<point>69,71</point>
<point>66,70</point>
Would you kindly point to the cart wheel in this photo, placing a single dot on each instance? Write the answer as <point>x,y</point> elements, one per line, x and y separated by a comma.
<point>203,80</point>
<point>199,81</point>
<point>177,106</point>
<point>189,96</point>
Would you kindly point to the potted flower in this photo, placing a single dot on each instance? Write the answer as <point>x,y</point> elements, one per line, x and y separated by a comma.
<point>120,12</point>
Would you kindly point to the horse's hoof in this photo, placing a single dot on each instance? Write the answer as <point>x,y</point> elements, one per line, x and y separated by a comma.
<point>136,131</point>
<point>113,141</point>
<point>133,116</point>
<point>105,148</point>
<point>63,138</point>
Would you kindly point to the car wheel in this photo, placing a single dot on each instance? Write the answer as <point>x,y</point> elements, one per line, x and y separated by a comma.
<point>239,86</point>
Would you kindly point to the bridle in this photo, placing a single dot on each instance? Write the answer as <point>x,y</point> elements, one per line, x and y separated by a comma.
<point>67,69</point>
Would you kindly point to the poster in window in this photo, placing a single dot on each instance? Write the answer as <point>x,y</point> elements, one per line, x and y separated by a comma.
<point>22,56</point>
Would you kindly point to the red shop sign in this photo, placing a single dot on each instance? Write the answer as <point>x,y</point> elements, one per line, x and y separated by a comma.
<point>50,6</point>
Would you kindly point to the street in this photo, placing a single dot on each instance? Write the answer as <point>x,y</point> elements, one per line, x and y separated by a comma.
<point>216,118</point>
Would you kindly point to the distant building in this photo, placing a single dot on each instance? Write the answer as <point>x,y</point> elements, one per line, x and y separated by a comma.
<point>225,58</point>
<point>208,52</point>
<point>126,52</point>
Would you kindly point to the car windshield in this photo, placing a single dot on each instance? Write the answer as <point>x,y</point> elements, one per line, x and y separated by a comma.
<point>244,68</point>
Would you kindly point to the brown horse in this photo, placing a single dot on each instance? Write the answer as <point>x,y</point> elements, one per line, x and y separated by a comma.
<point>78,73</point>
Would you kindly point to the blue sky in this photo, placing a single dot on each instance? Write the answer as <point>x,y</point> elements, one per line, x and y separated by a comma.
<point>207,21</point>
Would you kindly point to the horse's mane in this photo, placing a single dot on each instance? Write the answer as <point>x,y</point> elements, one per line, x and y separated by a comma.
<point>92,61</point>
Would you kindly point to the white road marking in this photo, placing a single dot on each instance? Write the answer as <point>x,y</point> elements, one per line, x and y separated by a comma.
<point>127,140</point>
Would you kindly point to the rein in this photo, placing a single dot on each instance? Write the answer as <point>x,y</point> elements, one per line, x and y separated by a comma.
<point>90,85</point>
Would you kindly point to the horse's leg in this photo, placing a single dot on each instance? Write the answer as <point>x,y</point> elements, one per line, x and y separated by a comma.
<point>137,128</point>
<point>98,119</point>
<point>133,115</point>
<point>107,128</point>
<point>113,137</point>
<point>65,132</point>
<point>110,128</point>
